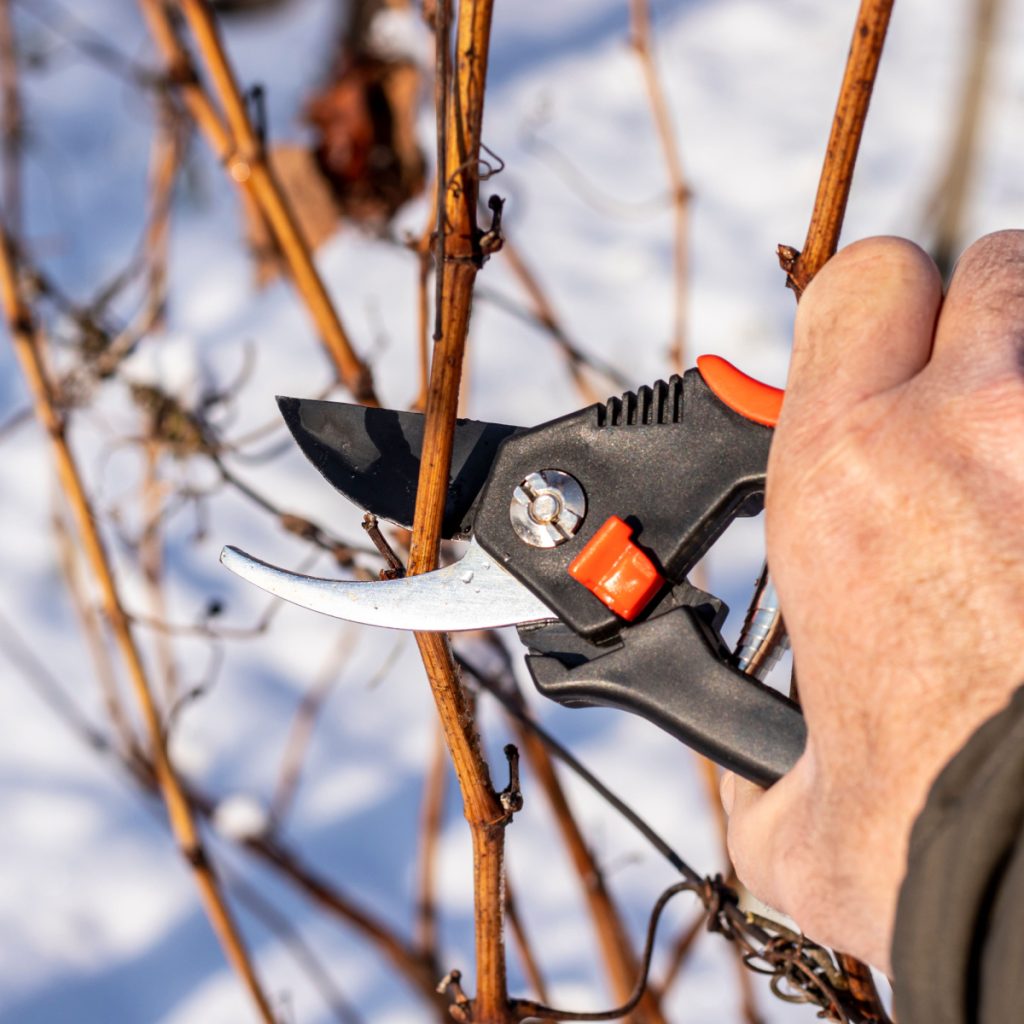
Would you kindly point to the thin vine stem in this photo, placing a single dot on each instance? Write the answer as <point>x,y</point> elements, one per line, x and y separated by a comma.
<point>843,145</point>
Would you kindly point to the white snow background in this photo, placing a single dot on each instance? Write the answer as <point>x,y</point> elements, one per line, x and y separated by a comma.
<point>99,920</point>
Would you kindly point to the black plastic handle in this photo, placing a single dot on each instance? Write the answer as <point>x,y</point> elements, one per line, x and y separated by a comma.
<point>673,460</point>
<point>667,671</point>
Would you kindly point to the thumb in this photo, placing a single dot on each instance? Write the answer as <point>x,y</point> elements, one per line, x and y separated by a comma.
<point>761,835</point>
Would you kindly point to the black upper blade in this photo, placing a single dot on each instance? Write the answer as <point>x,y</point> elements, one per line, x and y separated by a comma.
<point>373,457</point>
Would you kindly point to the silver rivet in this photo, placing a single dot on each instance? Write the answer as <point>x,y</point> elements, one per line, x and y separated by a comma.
<point>547,508</point>
<point>544,508</point>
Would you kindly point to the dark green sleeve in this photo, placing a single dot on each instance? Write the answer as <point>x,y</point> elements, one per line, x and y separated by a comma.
<point>958,948</point>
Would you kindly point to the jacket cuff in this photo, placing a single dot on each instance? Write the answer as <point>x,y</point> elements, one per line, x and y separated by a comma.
<point>959,933</point>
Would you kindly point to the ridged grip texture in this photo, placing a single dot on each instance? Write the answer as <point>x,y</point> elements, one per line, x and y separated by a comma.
<point>662,403</point>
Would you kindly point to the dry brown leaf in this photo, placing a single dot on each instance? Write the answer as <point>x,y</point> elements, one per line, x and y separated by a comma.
<point>365,120</point>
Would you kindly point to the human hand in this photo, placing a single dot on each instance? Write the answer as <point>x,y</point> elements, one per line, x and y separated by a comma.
<point>895,534</point>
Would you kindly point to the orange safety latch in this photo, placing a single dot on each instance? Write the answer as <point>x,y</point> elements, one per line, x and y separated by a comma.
<point>616,571</point>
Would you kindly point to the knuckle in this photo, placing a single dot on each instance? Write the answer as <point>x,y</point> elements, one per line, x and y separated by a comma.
<point>886,250</point>
<point>989,272</point>
<point>990,253</point>
<point>883,257</point>
<point>858,291</point>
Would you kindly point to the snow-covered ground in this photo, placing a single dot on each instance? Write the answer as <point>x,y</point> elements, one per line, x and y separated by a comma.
<point>99,920</point>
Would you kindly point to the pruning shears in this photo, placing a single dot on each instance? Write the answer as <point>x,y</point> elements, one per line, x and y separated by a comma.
<point>581,533</point>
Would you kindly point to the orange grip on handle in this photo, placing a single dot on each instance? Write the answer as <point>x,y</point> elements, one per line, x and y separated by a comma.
<point>753,400</point>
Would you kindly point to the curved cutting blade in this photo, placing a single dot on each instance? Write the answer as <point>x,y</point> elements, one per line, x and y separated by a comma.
<point>474,593</point>
<point>373,457</point>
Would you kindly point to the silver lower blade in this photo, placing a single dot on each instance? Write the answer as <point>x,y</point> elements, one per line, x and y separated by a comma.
<point>473,593</point>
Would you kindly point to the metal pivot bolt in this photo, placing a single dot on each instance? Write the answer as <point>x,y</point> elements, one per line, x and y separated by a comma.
<point>547,508</point>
